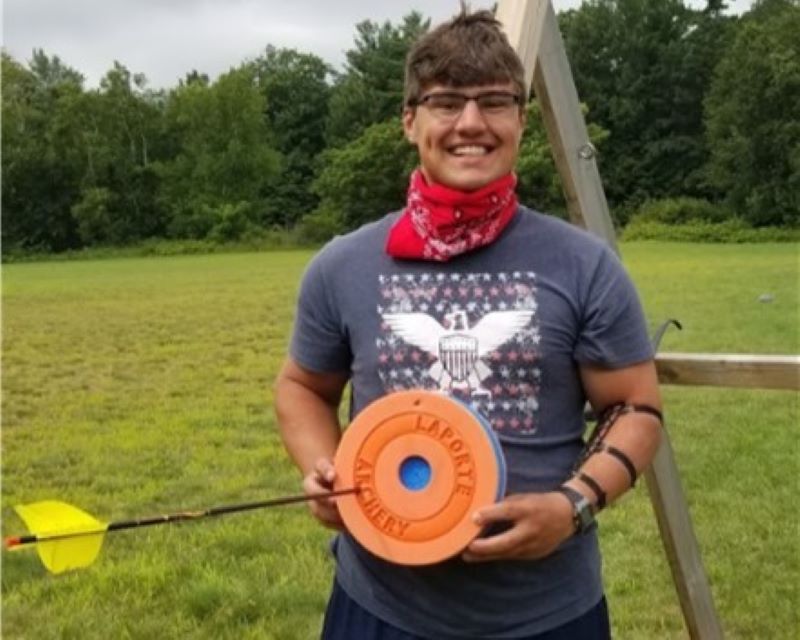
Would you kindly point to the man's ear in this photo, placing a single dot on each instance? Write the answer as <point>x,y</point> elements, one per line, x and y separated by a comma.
<point>409,115</point>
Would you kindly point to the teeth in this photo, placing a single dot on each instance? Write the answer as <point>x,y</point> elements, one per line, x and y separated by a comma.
<point>470,150</point>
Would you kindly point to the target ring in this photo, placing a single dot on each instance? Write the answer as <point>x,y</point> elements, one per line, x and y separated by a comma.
<point>423,463</point>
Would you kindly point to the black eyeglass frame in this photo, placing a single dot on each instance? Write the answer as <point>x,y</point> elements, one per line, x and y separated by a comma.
<point>516,99</point>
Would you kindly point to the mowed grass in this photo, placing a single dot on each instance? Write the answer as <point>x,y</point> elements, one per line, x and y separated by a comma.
<point>134,387</point>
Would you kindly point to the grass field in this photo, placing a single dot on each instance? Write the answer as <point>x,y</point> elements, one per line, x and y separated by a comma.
<point>136,386</point>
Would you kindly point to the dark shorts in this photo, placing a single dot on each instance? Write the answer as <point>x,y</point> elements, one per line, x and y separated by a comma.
<point>346,620</point>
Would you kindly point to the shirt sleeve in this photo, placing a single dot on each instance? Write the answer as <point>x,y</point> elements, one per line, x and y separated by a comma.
<point>613,331</point>
<point>319,339</point>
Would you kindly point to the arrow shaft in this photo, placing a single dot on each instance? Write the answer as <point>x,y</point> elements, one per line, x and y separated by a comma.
<point>16,541</point>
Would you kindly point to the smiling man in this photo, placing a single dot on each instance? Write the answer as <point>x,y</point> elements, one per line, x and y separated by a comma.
<point>550,320</point>
<point>466,139</point>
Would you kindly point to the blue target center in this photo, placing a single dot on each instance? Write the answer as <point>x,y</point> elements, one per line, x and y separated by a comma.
<point>415,473</point>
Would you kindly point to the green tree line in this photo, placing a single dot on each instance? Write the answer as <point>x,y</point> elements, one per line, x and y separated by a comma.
<point>683,104</point>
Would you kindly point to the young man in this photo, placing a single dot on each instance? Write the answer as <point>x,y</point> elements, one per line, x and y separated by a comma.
<point>463,249</point>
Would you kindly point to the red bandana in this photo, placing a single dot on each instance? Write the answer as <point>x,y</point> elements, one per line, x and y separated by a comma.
<point>439,223</point>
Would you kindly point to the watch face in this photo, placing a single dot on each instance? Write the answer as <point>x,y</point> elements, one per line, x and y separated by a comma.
<point>584,515</point>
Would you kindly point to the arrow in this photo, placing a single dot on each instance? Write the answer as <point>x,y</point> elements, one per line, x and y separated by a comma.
<point>68,538</point>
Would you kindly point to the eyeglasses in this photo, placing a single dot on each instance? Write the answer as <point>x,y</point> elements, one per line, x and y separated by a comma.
<point>449,105</point>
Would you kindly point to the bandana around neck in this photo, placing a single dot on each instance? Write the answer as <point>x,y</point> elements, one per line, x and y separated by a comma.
<point>439,223</point>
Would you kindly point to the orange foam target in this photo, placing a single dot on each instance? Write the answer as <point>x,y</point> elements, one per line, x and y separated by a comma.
<point>423,464</point>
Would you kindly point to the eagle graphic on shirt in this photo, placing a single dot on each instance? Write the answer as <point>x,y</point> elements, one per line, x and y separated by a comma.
<point>459,349</point>
<point>474,336</point>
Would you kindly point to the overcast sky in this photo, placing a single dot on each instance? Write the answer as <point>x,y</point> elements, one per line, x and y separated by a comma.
<point>166,38</point>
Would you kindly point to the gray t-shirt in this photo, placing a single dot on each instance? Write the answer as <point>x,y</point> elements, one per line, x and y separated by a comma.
<point>543,298</point>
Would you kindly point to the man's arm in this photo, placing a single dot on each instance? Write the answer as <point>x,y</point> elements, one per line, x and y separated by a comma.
<point>636,435</point>
<point>307,404</point>
<point>542,521</point>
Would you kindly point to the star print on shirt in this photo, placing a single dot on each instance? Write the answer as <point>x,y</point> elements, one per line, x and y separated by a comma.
<point>474,336</point>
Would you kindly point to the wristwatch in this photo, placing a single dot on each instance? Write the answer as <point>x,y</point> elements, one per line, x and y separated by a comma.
<point>582,510</point>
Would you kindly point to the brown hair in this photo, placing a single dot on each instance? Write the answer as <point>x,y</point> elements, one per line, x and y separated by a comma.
<point>469,49</point>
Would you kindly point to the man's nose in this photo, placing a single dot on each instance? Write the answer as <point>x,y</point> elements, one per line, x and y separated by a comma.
<point>471,118</point>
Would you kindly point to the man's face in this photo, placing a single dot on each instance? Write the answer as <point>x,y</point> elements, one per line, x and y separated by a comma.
<point>466,150</point>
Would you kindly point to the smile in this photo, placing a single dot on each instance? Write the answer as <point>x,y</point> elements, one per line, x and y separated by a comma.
<point>470,150</point>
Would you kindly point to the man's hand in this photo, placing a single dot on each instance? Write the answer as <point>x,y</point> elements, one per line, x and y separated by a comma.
<point>320,480</point>
<point>539,523</point>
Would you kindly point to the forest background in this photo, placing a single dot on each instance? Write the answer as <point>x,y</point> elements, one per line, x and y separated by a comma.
<point>694,113</point>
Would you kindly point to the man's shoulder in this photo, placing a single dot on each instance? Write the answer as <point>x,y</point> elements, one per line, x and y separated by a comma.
<point>549,228</point>
<point>374,231</point>
<point>356,247</point>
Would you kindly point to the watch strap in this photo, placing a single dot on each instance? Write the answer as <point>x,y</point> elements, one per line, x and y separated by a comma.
<point>582,512</point>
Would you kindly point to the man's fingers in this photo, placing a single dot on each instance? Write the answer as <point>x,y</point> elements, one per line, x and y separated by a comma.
<point>312,483</point>
<point>502,545</point>
<point>313,486</point>
<point>321,478</point>
<point>326,510</point>
<point>505,510</point>
<point>326,471</point>
<point>319,481</point>
<point>327,513</point>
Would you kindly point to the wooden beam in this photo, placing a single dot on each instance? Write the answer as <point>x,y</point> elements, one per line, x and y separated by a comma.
<point>680,544</point>
<point>573,152</point>
<point>587,206</point>
<point>523,22</point>
<point>728,370</point>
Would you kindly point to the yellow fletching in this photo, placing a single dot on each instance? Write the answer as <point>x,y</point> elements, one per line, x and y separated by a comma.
<point>52,518</point>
